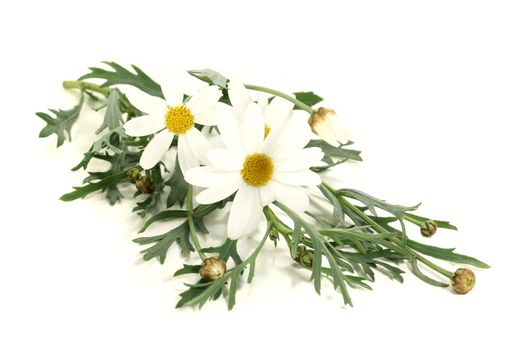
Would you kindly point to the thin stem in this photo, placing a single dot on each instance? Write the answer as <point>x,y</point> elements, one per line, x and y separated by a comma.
<point>394,239</point>
<point>75,84</point>
<point>295,101</point>
<point>191,223</point>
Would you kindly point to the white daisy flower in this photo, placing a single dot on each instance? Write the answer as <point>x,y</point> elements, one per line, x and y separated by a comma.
<point>258,169</point>
<point>175,117</point>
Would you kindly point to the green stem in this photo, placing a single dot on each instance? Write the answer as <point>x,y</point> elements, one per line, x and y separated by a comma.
<point>295,101</point>
<point>75,84</point>
<point>396,240</point>
<point>191,223</point>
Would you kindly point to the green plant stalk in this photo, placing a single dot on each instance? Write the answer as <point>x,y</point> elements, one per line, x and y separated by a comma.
<point>83,85</point>
<point>191,223</point>
<point>295,101</point>
<point>396,240</point>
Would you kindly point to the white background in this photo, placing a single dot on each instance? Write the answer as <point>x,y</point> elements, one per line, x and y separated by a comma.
<point>432,91</point>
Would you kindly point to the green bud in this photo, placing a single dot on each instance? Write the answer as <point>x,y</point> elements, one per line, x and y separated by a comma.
<point>308,258</point>
<point>212,268</point>
<point>274,236</point>
<point>145,185</point>
<point>429,228</point>
<point>134,175</point>
<point>463,281</point>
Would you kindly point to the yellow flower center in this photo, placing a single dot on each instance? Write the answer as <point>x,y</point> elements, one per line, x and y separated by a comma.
<point>179,119</point>
<point>267,130</point>
<point>257,169</point>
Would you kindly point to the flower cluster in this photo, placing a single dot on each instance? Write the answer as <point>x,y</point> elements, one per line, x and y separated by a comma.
<point>259,155</point>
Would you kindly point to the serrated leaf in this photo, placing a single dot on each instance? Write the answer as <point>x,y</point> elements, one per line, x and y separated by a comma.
<point>178,187</point>
<point>372,202</point>
<point>446,254</point>
<point>62,123</point>
<point>120,75</point>
<point>81,192</point>
<point>226,251</point>
<point>164,215</point>
<point>337,212</point>
<point>210,76</point>
<point>180,234</point>
<point>309,98</point>
<point>334,155</point>
<point>113,115</point>
<point>187,269</point>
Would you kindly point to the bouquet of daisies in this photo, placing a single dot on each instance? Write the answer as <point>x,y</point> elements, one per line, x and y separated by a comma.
<point>258,154</point>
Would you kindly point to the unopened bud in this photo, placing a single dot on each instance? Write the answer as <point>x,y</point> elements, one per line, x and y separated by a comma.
<point>430,227</point>
<point>212,268</point>
<point>145,185</point>
<point>463,281</point>
<point>274,236</point>
<point>308,258</point>
<point>133,175</point>
<point>325,123</point>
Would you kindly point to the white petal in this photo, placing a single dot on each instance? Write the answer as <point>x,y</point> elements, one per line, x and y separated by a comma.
<point>214,115</point>
<point>187,159</point>
<point>198,143</point>
<point>293,135</point>
<point>172,90</point>
<point>293,197</point>
<point>204,99</point>
<point>226,159</point>
<point>156,149</point>
<point>219,192</point>
<point>209,176</point>
<point>278,111</point>
<point>246,212</point>
<point>144,125</point>
<point>262,100</point>
<point>239,97</point>
<point>230,133</point>
<point>302,160</point>
<point>267,196</point>
<point>146,103</point>
<point>298,178</point>
<point>252,129</point>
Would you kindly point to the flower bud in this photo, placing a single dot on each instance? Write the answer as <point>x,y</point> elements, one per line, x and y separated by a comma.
<point>212,268</point>
<point>274,236</point>
<point>463,281</point>
<point>145,185</point>
<point>133,175</point>
<point>325,123</point>
<point>429,229</point>
<point>308,258</point>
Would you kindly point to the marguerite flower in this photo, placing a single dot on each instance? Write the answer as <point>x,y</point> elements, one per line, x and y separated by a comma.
<point>175,117</point>
<point>258,169</point>
<point>326,124</point>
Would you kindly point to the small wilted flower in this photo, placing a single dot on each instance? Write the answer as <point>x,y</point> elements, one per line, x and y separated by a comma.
<point>145,185</point>
<point>212,268</point>
<point>325,123</point>
<point>463,281</point>
<point>429,229</point>
<point>134,175</point>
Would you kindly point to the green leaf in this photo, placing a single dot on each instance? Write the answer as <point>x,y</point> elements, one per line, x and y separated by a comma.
<point>226,251</point>
<point>194,292</point>
<point>164,215</point>
<point>180,234</point>
<point>81,192</point>
<point>334,155</point>
<point>234,278</point>
<point>62,124</point>
<point>372,202</point>
<point>187,269</point>
<point>113,115</point>
<point>210,76</point>
<point>178,187</point>
<point>308,98</point>
<point>417,272</point>
<point>338,208</point>
<point>120,75</point>
<point>439,223</point>
<point>446,254</point>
